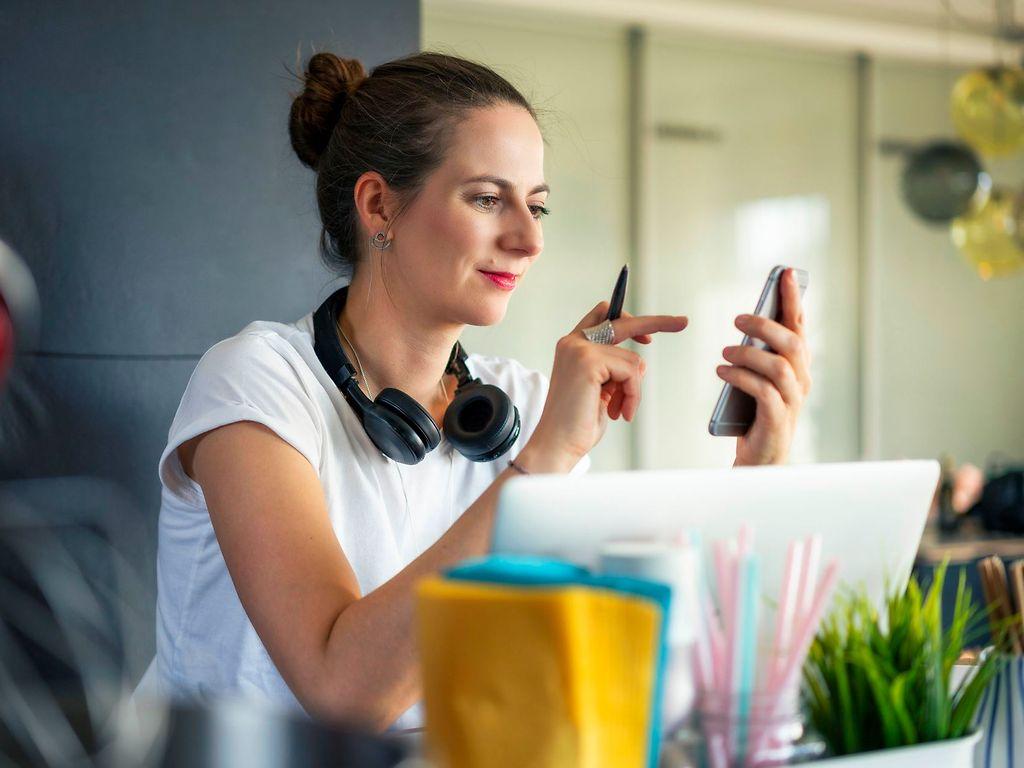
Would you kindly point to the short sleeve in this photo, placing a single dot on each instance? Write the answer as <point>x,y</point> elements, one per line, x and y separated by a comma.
<point>244,378</point>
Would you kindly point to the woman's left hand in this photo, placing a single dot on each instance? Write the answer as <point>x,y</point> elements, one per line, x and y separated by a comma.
<point>778,379</point>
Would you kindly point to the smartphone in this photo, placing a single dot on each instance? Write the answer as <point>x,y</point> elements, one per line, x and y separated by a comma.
<point>735,410</point>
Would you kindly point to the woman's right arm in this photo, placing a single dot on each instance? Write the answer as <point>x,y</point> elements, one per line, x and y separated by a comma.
<point>345,655</point>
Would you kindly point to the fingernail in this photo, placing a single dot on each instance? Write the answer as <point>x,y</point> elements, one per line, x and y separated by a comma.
<point>720,370</point>
<point>742,321</point>
<point>726,352</point>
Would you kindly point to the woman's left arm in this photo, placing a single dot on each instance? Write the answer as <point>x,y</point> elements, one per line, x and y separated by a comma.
<point>779,380</point>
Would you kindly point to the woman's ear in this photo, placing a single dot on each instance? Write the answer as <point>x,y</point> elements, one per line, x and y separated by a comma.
<point>374,201</point>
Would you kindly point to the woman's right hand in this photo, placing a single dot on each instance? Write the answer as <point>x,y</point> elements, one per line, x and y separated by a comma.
<point>590,383</point>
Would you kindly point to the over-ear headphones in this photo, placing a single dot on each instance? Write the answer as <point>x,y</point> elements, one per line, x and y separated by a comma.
<point>481,422</point>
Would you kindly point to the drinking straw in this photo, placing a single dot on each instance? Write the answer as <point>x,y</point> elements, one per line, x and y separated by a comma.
<point>692,604</point>
<point>812,559</point>
<point>727,608</point>
<point>726,564</point>
<point>806,630</point>
<point>712,635</point>
<point>708,647</point>
<point>716,637</point>
<point>747,651</point>
<point>744,540</point>
<point>718,753</point>
<point>725,656</point>
<point>803,636</point>
<point>784,619</point>
<point>723,574</point>
<point>791,579</point>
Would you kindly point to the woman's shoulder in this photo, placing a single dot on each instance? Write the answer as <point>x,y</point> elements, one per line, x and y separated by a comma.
<point>261,367</point>
<point>256,375</point>
<point>262,348</point>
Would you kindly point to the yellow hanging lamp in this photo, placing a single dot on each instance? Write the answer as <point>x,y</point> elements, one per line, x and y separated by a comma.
<point>990,237</point>
<point>988,109</point>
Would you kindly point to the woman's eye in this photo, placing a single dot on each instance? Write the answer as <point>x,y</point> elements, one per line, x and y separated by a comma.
<point>489,202</point>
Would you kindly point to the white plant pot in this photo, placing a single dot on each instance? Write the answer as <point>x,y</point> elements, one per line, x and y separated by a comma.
<point>1000,718</point>
<point>951,753</point>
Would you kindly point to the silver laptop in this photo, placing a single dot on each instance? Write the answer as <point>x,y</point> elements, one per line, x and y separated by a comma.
<point>870,514</point>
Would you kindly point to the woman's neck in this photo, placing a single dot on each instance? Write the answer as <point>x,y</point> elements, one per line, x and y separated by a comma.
<point>397,343</point>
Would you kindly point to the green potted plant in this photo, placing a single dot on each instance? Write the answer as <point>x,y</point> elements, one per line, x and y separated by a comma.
<point>880,683</point>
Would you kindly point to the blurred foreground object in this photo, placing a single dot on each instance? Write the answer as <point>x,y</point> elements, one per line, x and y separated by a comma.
<point>987,107</point>
<point>67,594</point>
<point>242,734</point>
<point>19,308</point>
<point>528,662</point>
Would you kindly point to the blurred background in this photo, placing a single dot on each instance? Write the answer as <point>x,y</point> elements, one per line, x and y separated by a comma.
<point>147,184</point>
<point>704,143</point>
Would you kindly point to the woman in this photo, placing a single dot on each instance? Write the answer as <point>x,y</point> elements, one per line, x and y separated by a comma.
<point>289,543</point>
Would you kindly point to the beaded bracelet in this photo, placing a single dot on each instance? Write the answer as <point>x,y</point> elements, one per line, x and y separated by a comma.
<point>518,468</point>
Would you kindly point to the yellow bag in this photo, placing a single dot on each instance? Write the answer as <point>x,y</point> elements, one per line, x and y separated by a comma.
<point>537,677</point>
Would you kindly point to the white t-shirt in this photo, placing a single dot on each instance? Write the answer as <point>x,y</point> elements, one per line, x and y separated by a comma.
<point>383,513</point>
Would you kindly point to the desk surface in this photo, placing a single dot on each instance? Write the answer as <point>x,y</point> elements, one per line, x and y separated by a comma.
<point>969,543</point>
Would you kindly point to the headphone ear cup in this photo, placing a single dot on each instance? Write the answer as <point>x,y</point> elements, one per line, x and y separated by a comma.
<point>481,422</point>
<point>412,414</point>
<point>393,436</point>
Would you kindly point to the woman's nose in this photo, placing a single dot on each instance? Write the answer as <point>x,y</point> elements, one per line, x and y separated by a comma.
<point>523,234</point>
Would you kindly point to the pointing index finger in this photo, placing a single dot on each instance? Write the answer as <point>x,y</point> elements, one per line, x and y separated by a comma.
<point>630,327</point>
<point>643,338</point>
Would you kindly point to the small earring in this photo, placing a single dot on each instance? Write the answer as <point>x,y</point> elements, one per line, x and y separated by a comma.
<point>380,241</point>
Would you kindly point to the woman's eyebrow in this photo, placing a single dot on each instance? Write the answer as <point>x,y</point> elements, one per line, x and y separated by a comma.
<point>505,184</point>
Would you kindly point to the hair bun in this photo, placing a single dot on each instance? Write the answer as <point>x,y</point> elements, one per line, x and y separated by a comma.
<point>327,83</point>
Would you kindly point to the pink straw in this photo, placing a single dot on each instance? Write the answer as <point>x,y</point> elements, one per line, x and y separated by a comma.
<point>694,602</point>
<point>783,627</point>
<point>798,652</point>
<point>734,640</point>
<point>715,635</point>
<point>723,574</point>
<point>744,540</point>
<point>718,659</point>
<point>812,560</point>
<point>809,627</point>
<point>791,580</point>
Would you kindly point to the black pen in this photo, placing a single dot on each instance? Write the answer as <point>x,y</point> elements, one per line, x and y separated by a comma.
<point>618,295</point>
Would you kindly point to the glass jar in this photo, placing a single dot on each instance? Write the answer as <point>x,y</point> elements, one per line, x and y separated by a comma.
<point>743,731</point>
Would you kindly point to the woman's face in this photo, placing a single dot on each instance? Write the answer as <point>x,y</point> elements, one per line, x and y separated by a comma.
<point>466,241</point>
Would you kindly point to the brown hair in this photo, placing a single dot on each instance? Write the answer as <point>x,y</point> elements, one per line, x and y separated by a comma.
<point>398,121</point>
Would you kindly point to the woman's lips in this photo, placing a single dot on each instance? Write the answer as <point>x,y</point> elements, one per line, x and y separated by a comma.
<point>506,281</point>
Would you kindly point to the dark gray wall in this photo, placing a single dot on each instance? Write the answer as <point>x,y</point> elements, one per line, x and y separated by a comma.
<point>147,179</point>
